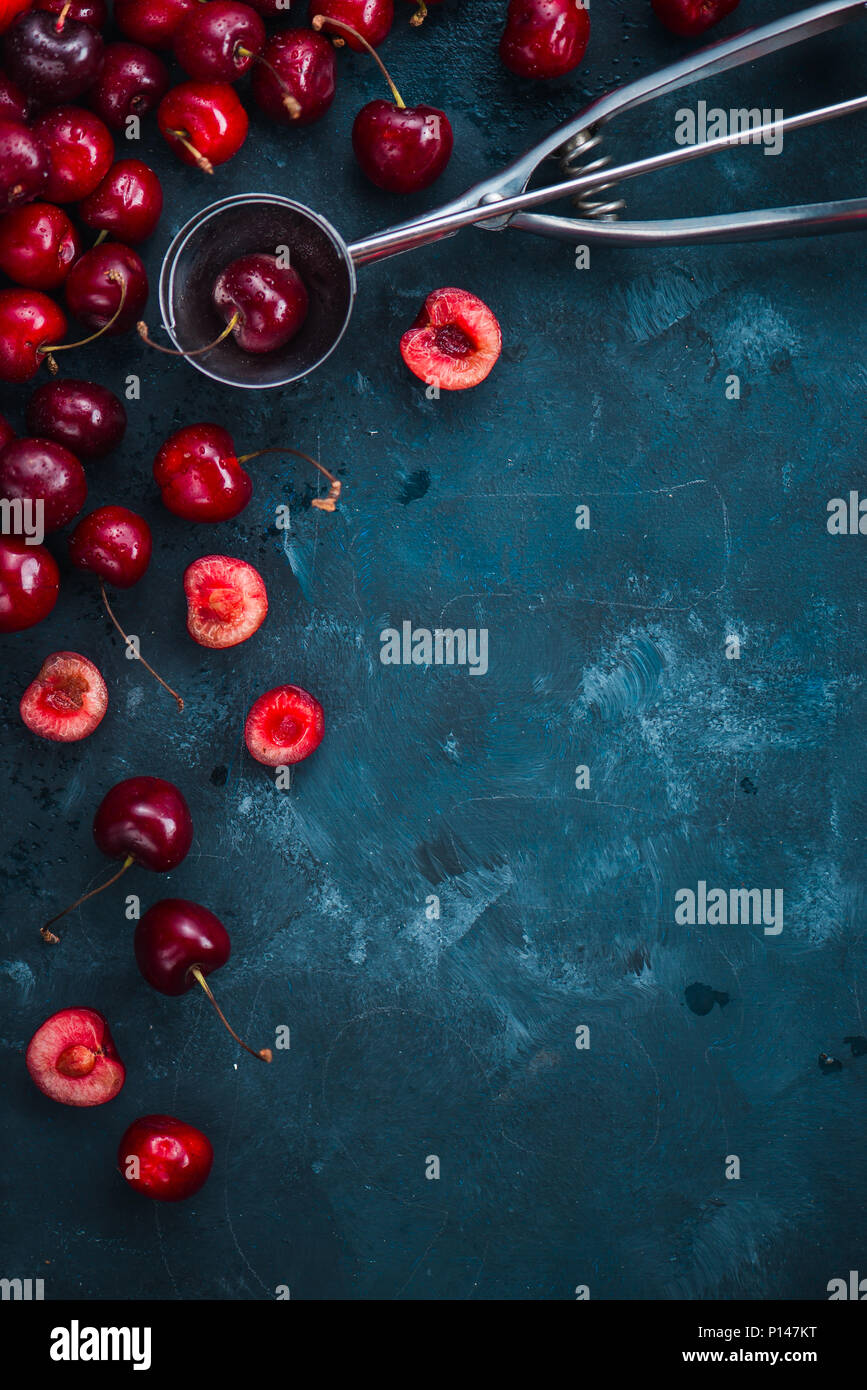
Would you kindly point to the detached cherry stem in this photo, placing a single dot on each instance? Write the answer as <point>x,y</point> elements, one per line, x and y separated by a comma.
<point>143,332</point>
<point>47,352</point>
<point>320,20</point>
<point>292,106</point>
<point>174,694</point>
<point>328,503</point>
<point>265,1055</point>
<point>48,935</point>
<point>199,159</point>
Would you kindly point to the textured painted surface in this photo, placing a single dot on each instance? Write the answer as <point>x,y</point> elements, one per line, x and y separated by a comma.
<point>456,1037</point>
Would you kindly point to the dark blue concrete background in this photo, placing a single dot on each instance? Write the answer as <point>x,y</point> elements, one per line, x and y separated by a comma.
<point>455,1037</point>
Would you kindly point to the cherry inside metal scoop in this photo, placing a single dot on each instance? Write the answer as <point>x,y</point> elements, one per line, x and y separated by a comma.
<point>263,222</point>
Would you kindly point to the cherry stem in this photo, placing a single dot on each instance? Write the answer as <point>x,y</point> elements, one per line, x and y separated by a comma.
<point>324,504</point>
<point>265,1054</point>
<point>46,352</point>
<point>48,935</point>
<point>198,158</point>
<point>174,694</point>
<point>142,330</point>
<point>292,106</point>
<point>320,19</point>
<point>61,19</point>
<point>420,15</point>
<point>102,236</point>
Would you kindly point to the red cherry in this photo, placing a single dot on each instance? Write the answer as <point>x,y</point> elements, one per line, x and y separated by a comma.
<point>52,59</point>
<point>14,105</point>
<point>203,122</point>
<point>372,19</point>
<point>152,23</point>
<point>92,12</point>
<point>38,244</point>
<point>39,470</point>
<point>544,38</point>
<point>84,416</point>
<point>199,475</point>
<point>226,601</point>
<point>305,65</point>
<point>107,288</point>
<point>690,17</point>
<point>400,148</point>
<point>219,41</point>
<point>10,12</point>
<point>114,543</point>
<point>265,301</point>
<point>72,1058</point>
<point>23,164</point>
<point>29,322</point>
<point>142,820</point>
<point>80,152</point>
<point>283,726</point>
<point>177,943</point>
<point>29,584</point>
<point>454,342</point>
<point>67,700</point>
<point>133,81</point>
<point>164,1158</point>
<point>127,203</point>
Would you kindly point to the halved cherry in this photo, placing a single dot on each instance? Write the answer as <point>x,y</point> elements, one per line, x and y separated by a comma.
<point>284,725</point>
<point>454,342</point>
<point>67,700</point>
<point>226,600</point>
<point>73,1059</point>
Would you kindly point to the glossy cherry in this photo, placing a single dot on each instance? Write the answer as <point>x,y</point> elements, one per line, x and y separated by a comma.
<point>72,1058</point>
<point>152,23</point>
<point>39,470</point>
<point>66,700</point>
<point>115,544</point>
<point>400,148</point>
<point>127,203</point>
<point>142,820</point>
<point>218,41</point>
<point>177,943</point>
<point>372,19</point>
<point>264,301</point>
<point>84,416</point>
<point>14,105</point>
<point>544,38</point>
<point>52,58</point>
<point>29,584</point>
<point>23,164</point>
<point>80,152</point>
<point>107,288</point>
<point>301,63</point>
<point>38,245</point>
<point>133,81</point>
<point>164,1158</point>
<point>203,122</point>
<point>92,12</point>
<point>30,323</point>
<point>688,18</point>
<point>200,476</point>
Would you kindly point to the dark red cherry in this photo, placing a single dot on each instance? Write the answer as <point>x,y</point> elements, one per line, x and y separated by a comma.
<point>687,18</point>
<point>133,81</point>
<point>218,41</point>
<point>40,470</point>
<point>82,415</point>
<point>52,59</point>
<point>92,12</point>
<point>544,38</point>
<point>199,475</point>
<point>127,204</point>
<point>114,543</point>
<point>29,584</point>
<point>152,23</point>
<point>30,322</point>
<point>80,152</point>
<point>147,820</point>
<point>372,19</point>
<point>38,244</point>
<point>401,148</point>
<point>104,278</point>
<point>23,164</point>
<point>164,1158</point>
<point>14,105</point>
<point>177,943</point>
<point>305,66</point>
<point>203,122</point>
<point>267,301</point>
